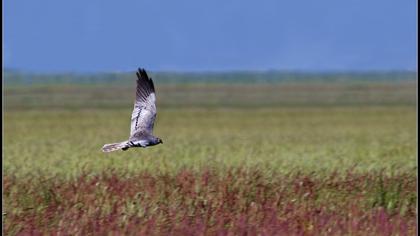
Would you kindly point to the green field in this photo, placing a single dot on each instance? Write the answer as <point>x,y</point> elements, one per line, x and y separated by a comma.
<point>354,141</point>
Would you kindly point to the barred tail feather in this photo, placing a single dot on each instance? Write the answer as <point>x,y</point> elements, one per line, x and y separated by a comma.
<point>114,146</point>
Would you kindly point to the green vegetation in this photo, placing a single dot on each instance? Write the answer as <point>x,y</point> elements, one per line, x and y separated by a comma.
<point>283,139</point>
<point>302,151</point>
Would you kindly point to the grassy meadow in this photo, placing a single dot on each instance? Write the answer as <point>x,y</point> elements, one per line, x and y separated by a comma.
<point>306,155</point>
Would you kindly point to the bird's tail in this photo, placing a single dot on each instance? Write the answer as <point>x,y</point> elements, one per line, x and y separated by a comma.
<point>115,146</point>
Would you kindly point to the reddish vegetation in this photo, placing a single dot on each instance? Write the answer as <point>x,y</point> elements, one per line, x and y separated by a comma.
<point>238,202</point>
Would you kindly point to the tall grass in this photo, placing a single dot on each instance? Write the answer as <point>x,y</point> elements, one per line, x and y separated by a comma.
<point>269,159</point>
<point>236,202</point>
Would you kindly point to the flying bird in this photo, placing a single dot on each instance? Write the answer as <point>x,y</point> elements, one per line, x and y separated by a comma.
<point>142,118</point>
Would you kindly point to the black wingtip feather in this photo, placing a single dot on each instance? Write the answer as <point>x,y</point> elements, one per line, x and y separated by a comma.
<point>142,74</point>
<point>145,84</point>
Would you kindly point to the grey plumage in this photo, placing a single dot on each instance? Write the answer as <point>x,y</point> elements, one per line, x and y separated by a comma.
<point>142,118</point>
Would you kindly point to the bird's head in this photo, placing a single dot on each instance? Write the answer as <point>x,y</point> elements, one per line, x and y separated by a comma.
<point>159,140</point>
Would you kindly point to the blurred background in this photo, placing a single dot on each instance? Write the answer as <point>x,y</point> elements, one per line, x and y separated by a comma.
<point>274,93</point>
<point>288,68</point>
<point>233,42</point>
<point>295,64</point>
<point>105,36</point>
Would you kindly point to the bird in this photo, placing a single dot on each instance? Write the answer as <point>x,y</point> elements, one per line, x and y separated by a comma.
<point>142,118</point>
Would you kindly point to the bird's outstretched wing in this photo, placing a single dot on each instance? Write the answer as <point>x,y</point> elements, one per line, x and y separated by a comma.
<point>144,112</point>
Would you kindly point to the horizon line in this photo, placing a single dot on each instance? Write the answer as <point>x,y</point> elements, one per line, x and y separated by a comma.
<point>298,71</point>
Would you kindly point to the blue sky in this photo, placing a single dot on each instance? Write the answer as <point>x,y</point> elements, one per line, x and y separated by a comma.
<point>217,35</point>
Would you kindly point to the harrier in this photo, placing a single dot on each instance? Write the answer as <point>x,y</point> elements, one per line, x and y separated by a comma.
<point>142,118</point>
